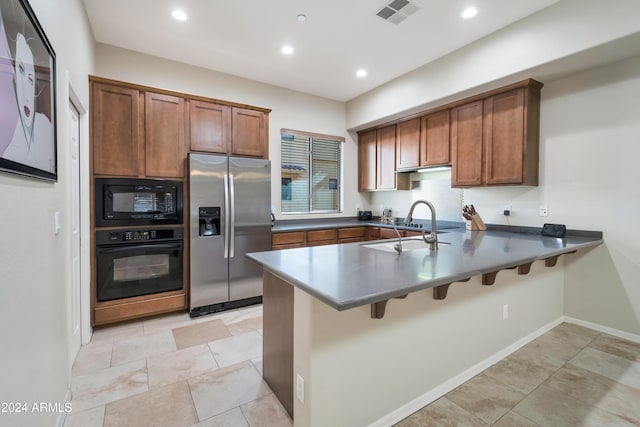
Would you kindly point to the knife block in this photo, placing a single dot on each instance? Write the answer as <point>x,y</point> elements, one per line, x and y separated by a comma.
<point>476,223</point>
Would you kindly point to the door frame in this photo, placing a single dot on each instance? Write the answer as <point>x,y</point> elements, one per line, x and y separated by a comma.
<point>84,221</point>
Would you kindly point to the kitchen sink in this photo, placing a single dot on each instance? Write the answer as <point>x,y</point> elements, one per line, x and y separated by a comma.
<point>411,244</point>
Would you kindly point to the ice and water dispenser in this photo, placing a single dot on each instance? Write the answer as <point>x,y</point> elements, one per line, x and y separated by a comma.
<point>209,219</point>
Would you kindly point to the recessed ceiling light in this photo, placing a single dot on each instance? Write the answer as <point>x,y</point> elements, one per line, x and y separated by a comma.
<point>302,17</point>
<point>287,49</point>
<point>361,73</point>
<point>179,15</point>
<point>469,12</point>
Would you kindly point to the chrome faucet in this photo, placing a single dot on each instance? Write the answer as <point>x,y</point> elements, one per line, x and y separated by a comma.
<point>432,240</point>
<point>389,220</point>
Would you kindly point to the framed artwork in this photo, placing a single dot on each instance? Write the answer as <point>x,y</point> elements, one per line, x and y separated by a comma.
<point>27,94</point>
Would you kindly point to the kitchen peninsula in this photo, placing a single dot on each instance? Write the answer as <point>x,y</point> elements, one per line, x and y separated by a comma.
<point>355,334</point>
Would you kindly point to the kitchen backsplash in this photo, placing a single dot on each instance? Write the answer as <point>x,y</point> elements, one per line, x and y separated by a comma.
<point>432,186</point>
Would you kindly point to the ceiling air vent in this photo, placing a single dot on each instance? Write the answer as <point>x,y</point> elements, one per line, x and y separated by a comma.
<point>398,10</point>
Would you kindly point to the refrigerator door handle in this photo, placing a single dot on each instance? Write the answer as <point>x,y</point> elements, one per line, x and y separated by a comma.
<point>225,183</point>
<point>232,216</point>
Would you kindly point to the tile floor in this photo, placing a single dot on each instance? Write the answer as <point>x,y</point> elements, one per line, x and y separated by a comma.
<point>570,376</point>
<point>206,372</point>
<point>177,372</point>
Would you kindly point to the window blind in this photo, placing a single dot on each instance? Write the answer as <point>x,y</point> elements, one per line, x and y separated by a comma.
<point>311,174</point>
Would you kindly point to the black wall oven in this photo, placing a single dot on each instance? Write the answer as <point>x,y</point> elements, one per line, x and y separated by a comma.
<point>137,202</point>
<point>138,262</point>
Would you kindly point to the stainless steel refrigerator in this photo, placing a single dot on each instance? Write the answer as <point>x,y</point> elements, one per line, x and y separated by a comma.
<point>230,215</point>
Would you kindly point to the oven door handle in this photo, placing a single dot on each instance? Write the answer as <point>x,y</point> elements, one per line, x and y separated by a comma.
<point>103,250</point>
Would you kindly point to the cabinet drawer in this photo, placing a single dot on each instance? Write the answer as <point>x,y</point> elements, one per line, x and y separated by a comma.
<point>349,233</point>
<point>288,246</point>
<point>373,233</point>
<point>353,240</point>
<point>320,235</point>
<point>389,233</point>
<point>287,238</point>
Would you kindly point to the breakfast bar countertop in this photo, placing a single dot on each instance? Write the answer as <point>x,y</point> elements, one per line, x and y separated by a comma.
<point>350,275</point>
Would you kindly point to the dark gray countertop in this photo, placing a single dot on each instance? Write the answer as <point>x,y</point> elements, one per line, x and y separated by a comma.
<point>283,226</point>
<point>350,275</point>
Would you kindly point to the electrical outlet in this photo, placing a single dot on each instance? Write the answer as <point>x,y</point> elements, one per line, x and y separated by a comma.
<point>544,210</point>
<point>506,210</point>
<point>300,388</point>
<point>505,312</point>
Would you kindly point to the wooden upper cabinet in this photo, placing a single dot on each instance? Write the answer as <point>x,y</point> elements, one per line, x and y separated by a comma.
<point>209,127</point>
<point>386,160</point>
<point>249,133</point>
<point>367,158</point>
<point>164,135</point>
<point>435,146</point>
<point>115,120</point>
<point>511,134</point>
<point>466,144</point>
<point>408,144</point>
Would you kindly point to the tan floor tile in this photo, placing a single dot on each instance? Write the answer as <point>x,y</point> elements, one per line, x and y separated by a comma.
<point>232,418</point>
<point>549,352</point>
<point>200,333</point>
<point>257,362</point>
<point>571,334</point>
<point>125,351</point>
<point>106,334</point>
<point>513,419</point>
<point>237,348</point>
<point>89,418</point>
<point>485,397</point>
<point>599,391</point>
<point>618,346</point>
<point>244,322</point>
<point>520,373</point>
<point>266,412</point>
<point>609,365</point>
<point>179,365</point>
<point>441,413</point>
<point>219,391</point>
<point>92,357</point>
<point>549,407</point>
<point>169,406</point>
<point>167,322</point>
<point>108,385</point>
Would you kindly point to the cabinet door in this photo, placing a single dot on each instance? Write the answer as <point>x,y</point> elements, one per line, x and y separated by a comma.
<point>248,133</point>
<point>504,137</point>
<point>466,144</point>
<point>164,136</point>
<point>115,139</point>
<point>386,169</point>
<point>367,161</point>
<point>435,143</point>
<point>209,126</point>
<point>408,144</point>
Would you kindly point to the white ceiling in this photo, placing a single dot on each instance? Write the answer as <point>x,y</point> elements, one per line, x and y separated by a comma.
<point>244,37</point>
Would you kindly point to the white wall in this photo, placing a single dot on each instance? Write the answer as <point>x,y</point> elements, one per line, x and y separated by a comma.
<point>359,370</point>
<point>34,360</point>
<point>290,110</point>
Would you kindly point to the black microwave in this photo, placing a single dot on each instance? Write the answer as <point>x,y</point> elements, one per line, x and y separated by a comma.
<point>132,201</point>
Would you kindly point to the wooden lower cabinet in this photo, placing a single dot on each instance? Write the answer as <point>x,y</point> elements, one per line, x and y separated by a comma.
<point>294,239</point>
<point>132,308</point>
<point>350,235</point>
<point>322,237</point>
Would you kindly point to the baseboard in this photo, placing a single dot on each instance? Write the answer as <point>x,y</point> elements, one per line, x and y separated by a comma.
<point>444,388</point>
<point>62,416</point>
<point>607,330</point>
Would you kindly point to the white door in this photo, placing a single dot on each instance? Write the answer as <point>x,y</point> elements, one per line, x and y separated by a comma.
<point>74,235</point>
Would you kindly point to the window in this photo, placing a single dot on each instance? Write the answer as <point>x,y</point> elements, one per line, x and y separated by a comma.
<point>311,172</point>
